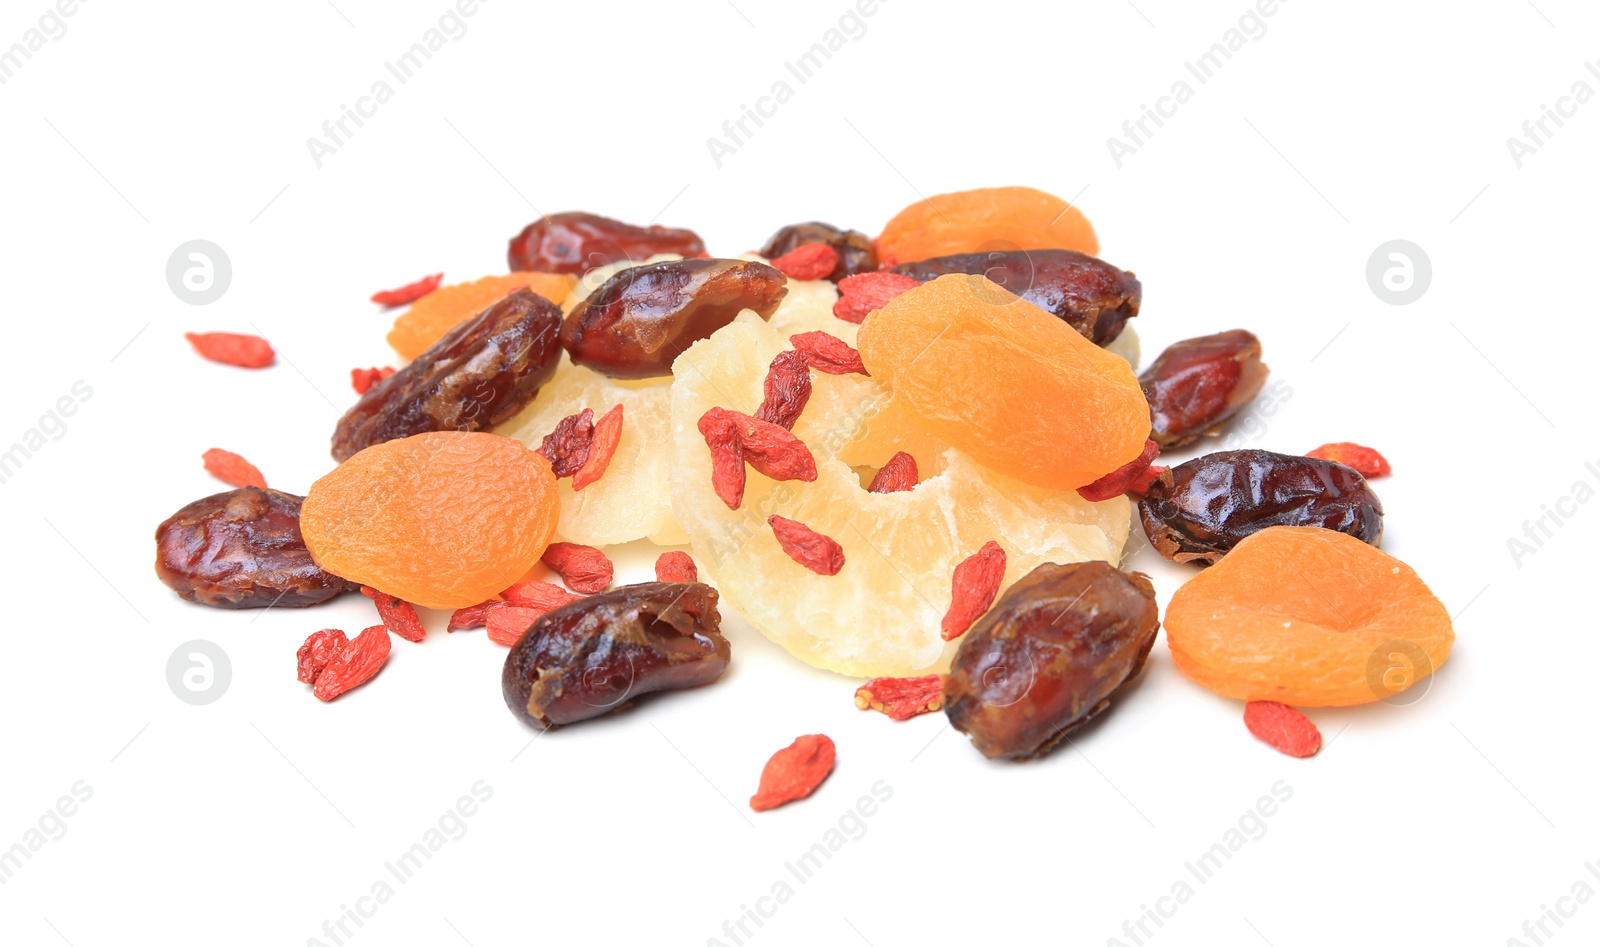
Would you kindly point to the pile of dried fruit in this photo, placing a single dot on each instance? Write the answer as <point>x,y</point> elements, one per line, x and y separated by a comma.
<point>914,458</point>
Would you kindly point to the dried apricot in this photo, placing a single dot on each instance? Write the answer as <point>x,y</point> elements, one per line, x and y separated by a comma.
<point>443,520</point>
<point>1007,383</point>
<point>987,218</point>
<point>1303,615</point>
<point>431,317</point>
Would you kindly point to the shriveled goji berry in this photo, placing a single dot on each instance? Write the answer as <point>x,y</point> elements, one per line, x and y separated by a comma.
<point>806,546</point>
<point>363,379</point>
<point>787,389</point>
<point>1121,480</point>
<point>232,469</point>
<point>720,428</point>
<point>398,616</point>
<point>538,595</point>
<point>607,431</point>
<point>567,447</point>
<point>1364,460</point>
<point>473,616</point>
<point>233,348</point>
<point>808,261</point>
<point>1282,727</point>
<point>773,451</point>
<point>794,772</point>
<point>973,587</point>
<point>827,353</point>
<point>510,622</point>
<point>584,568</point>
<point>409,293</point>
<point>676,566</point>
<point>902,698</point>
<point>354,665</point>
<point>898,474</point>
<point>859,295</point>
<point>320,648</point>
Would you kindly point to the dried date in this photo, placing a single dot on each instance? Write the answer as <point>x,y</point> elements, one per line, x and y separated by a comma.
<point>242,549</point>
<point>576,242</point>
<point>1196,385</point>
<point>856,253</point>
<point>481,373</point>
<point>638,322</point>
<point>1049,657</point>
<point>1089,294</point>
<point>594,655</point>
<point>1199,510</point>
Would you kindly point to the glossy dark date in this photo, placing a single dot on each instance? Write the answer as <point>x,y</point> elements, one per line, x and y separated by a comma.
<point>576,242</point>
<point>856,252</point>
<point>1196,385</point>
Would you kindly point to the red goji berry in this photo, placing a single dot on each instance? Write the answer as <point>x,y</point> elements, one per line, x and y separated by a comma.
<point>509,623</point>
<point>607,431</point>
<point>473,616</point>
<point>972,589</point>
<point>232,469</point>
<point>787,389</point>
<point>720,428</point>
<point>567,447</point>
<point>807,261</point>
<point>364,379</point>
<point>902,698</point>
<point>354,665</point>
<point>863,293</point>
<point>409,293</point>
<point>806,546</point>
<point>1282,727</point>
<point>398,616</point>
<point>773,451</point>
<point>1121,480</point>
<point>827,353</point>
<point>584,568</point>
<point>1364,460</point>
<point>232,348</point>
<point>794,772</point>
<point>543,596</point>
<point>320,648</point>
<point>1143,481</point>
<point>676,566</point>
<point>900,473</point>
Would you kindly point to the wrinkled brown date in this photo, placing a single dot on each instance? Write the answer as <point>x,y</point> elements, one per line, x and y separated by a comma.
<point>1091,295</point>
<point>1049,656</point>
<point>641,319</point>
<point>593,656</point>
<point>242,549</point>
<point>1199,510</point>
<point>576,242</point>
<point>1196,385</point>
<point>856,252</point>
<point>481,373</point>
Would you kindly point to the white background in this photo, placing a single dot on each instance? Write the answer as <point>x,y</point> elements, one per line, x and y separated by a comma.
<point>254,819</point>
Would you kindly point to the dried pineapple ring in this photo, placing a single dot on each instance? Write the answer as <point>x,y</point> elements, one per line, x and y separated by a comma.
<point>880,615</point>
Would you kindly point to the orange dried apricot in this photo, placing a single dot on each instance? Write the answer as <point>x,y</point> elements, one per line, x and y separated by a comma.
<point>987,218</point>
<point>1309,617</point>
<point>443,520</point>
<point>435,314</point>
<point>1006,383</point>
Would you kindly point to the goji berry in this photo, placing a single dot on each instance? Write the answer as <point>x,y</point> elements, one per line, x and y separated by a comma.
<point>863,293</point>
<point>902,698</point>
<point>363,379</point>
<point>900,473</point>
<point>676,567</point>
<point>807,261</point>
<point>607,431</point>
<point>510,622</point>
<point>827,353</point>
<point>473,616</point>
<point>1142,483</point>
<point>1121,480</point>
<point>972,589</point>
<point>584,568</point>
<point>1364,460</point>
<point>232,469</point>
<point>543,596</point>
<point>320,648</point>
<point>720,428</point>
<point>567,447</point>
<point>354,665</point>
<point>409,293</point>
<point>787,389</point>
<point>794,772</point>
<point>398,616</point>
<point>773,451</point>
<point>232,348</point>
<point>1282,727</point>
<point>806,546</point>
